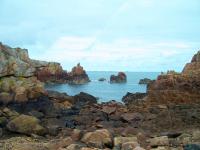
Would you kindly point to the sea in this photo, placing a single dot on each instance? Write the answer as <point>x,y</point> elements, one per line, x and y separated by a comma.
<point>106,91</point>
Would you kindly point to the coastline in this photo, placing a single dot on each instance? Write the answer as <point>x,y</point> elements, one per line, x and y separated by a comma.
<point>166,117</point>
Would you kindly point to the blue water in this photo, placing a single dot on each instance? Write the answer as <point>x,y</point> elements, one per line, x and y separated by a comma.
<point>104,90</point>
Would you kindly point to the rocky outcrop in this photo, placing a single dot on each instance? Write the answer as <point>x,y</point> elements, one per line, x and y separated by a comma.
<point>120,78</point>
<point>177,87</point>
<point>78,75</point>
<point>17,76</point>
<point>50,72</point>
<point>145,81</point>
<point>102,79</point>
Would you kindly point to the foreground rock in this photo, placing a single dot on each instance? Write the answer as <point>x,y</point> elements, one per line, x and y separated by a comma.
<point>120,78</point>
<point>26,125</point>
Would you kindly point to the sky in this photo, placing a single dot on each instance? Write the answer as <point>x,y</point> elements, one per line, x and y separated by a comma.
<point>104,35</point>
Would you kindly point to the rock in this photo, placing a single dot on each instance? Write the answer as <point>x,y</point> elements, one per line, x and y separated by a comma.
<point>120,78</point>
<point>102,79</point>
<point>129,145</point>
<point>145,81</point>
<point>3,121</point>
<point>159,141</point>
<point>75,146</point>
<point>109,109</point>
<point>15,61</point>
<point>50,72</point>
<point>177,88</point>
<point>1,132</point>
<point>78,75</point>
<point>118,141</point>
<point>26,125</point>
<point>138,148</point>
<point>185,139</point>
<point>22,143</point>
<point>21,94</point>
<point>20,89</point>
<point>196,135</point>
<point>129,117</point>
<point>6,98</point>
<point>99,138</point>
<point>10,114</point>
<point>60,143</point>
<point>84,98</point>
<point>133,97</point>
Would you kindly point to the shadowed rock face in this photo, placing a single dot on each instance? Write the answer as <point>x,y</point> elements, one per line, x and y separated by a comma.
<point>120,78</point>
<point>177,88</point>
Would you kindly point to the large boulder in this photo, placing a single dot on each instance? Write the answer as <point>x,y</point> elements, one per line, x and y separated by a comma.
<point>120,78</point>
<point>26,125</point>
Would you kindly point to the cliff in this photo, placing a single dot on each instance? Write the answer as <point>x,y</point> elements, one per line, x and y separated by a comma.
<point>174,87</point>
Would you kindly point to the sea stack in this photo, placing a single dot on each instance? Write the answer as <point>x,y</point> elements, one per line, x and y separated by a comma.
<point>78,75</point>
<point>120,78</point>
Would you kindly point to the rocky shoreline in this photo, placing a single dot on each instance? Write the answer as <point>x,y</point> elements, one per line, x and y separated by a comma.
<point>167,117</point>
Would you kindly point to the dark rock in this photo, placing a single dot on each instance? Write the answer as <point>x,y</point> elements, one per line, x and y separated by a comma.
<point>102,79</point>
<point>120,78</point>
<point>145,81</point>
<point>84,98</point>
<point>133,97</point>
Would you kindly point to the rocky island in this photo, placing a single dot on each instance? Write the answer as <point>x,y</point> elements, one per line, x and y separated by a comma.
<point>119,78</point>
<point>167,117</point>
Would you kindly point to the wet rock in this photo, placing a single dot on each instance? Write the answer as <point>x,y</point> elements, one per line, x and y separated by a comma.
<point>99,138</point>
<point>26,125</point>
<point>120,78</point>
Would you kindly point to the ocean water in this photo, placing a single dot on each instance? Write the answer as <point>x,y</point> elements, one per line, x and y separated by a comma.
<point>104,90</point>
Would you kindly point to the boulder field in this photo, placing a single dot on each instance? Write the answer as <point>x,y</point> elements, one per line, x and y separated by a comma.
<point>167,117</point>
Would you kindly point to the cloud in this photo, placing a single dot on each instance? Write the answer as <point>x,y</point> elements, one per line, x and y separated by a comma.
<point>124,54</point>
